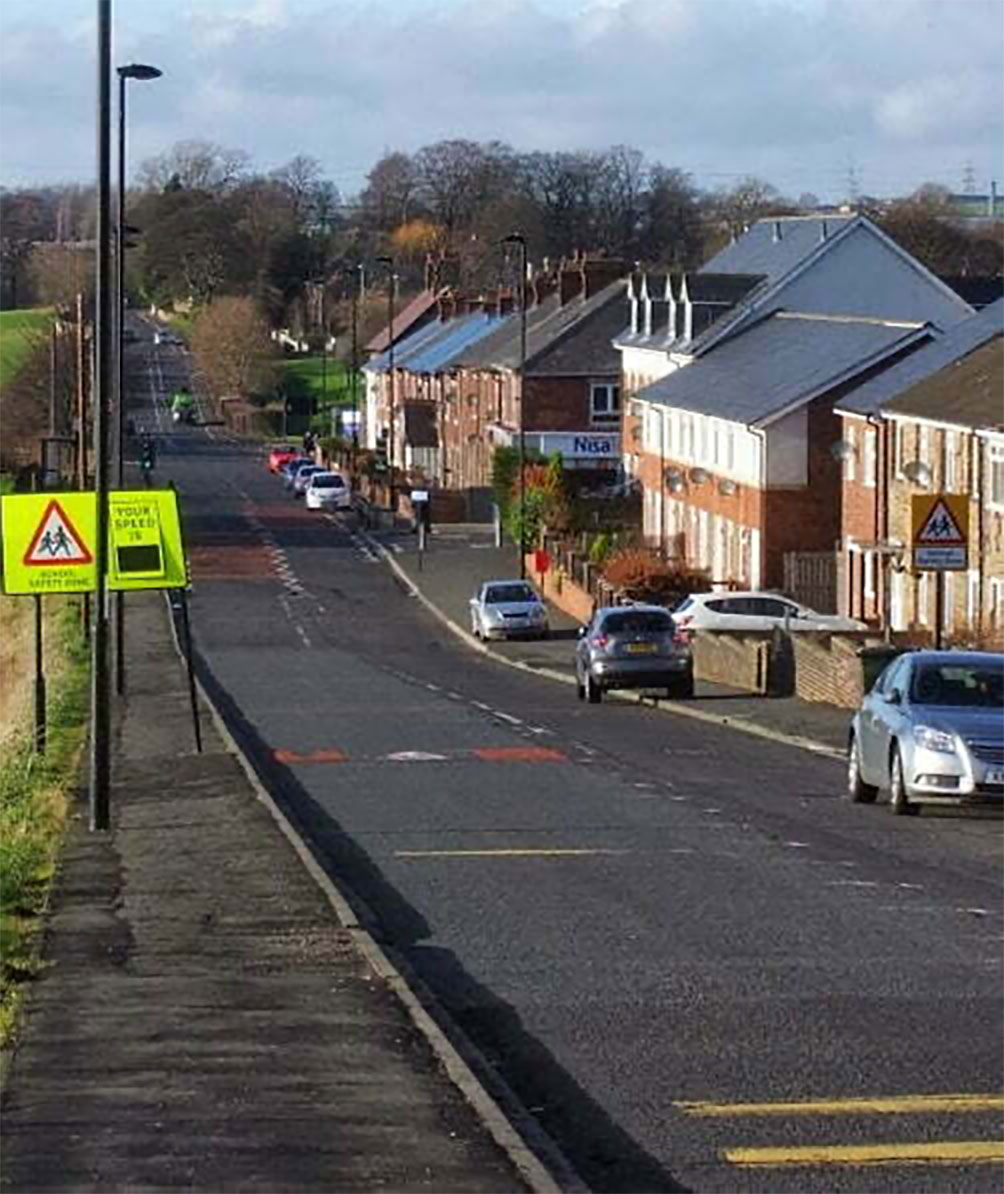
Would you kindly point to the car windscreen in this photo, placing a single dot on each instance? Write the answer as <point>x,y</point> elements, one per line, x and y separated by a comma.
<point>638,622</point>
<point>976,685</point>
<point>326,481</point>
<point>498,594</point>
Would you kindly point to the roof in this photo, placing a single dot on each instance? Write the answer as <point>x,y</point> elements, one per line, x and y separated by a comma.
<point>966,392</point>
<point>420,425</point>
<point>775,246</point>
<point>404,319</point>
<point>785,359</point>
<point>548,329</point>
<point>947,347</point>
<point>435,345</point>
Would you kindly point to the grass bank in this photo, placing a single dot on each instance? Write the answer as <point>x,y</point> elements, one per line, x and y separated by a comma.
<point>35,791</point>
<point>19,331</point>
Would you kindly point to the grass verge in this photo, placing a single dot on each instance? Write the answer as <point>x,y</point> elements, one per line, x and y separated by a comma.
<point>19,332</point>
<point>35,793</point>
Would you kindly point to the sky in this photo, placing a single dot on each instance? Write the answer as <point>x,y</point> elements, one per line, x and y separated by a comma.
<point>821,96</point>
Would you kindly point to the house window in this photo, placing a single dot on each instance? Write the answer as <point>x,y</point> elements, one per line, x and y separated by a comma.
<point>605,402</point>
<point>948,610</point>
<point>996,603</point>
<point>923,612</point>
<point>973,598</point>
<point>730,449</point>
<point>869,457</point>
<point>996,477</point>
<point>851,454</point>
<point>869,560</point>
<point>950,467</point>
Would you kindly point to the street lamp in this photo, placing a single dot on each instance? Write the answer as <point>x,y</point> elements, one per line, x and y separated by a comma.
<point>356,276</point>
<point>516,238</point>
<point>389,263</point>
<point>135,70</point>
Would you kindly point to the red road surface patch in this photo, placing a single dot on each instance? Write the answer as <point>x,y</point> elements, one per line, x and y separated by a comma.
<point>315,756</point>
<point>519,754</point>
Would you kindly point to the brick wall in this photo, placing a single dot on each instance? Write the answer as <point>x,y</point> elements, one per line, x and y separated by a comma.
<point>827,669</point>
<point>738,660</point>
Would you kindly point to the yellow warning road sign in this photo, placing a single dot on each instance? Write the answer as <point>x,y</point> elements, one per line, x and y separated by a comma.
<point>940,532</point>
<point>144,538</point>
<point>49,542</point>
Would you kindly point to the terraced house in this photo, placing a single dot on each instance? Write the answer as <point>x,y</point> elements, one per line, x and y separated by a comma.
<point>731,376</point>
<point>934,422</point>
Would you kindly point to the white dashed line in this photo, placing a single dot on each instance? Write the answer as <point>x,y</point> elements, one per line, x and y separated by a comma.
<point>507,717</point>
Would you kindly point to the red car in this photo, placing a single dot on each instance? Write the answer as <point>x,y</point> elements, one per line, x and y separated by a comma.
<point>279,456</point>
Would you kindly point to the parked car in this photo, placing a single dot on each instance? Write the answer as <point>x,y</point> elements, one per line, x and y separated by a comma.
<point>291,468</point>
<point>632,646</point>
<point>327,491</point>
<point>931,731</point>
<point>279,455</point>
<point>754,611</point>
<point>503,608</point>
<point>302,476</point>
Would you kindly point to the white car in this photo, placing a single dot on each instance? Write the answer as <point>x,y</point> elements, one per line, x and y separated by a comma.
<point>505,608</point>
<point>754,611</point>
<point>327,491</point>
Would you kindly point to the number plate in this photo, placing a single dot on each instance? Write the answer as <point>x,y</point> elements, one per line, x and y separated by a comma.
<point>995,776</point>
<point>641,648</point>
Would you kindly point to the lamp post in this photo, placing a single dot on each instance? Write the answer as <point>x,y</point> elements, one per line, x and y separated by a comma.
<point>356,276</point>
<point>516,238</point>
<point>135,70</point>
<point>389,263</point>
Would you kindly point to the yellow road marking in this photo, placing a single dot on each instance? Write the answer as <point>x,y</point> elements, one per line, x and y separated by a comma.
<point>516,853</point>
<point>892,1105</point>
<point>942,1152</point>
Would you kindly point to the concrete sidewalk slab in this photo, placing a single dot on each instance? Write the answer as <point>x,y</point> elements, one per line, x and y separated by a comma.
<point>204,1020</point>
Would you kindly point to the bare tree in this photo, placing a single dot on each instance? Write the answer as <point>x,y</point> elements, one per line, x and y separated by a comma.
<point>232,349</point>
<point>388,198</point>
<point>194,166</point>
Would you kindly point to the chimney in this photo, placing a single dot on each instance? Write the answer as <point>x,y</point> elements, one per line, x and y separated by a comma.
<point>571,282</point>
<point>688,310</point>
<point>992,199</point>
<point>447,306</point>
<point>633,304</point>
<point>646,307</point>
<point>671,305</point>
<point>505,304</point>
<point>601,272</point>
<point>777,231</point>
<point>541,285</point>
<point>824,231</point>
<point>431,272</point>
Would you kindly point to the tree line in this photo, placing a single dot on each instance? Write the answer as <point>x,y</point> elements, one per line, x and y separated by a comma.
<point>208,224</point>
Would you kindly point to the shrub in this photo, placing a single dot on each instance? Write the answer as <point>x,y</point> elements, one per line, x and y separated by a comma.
<point>641,574</point>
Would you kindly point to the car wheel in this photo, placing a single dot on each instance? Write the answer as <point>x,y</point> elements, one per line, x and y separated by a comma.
<point>683,689</point>
<point>899,802</point>
<point>580,690</point>
<point>593,691</point>
<point>857,790</point>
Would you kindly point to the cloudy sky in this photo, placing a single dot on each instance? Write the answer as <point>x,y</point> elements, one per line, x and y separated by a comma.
<point>809,94</point>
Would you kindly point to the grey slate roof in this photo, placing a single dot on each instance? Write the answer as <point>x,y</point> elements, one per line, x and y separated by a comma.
<point>949,346</point>
<point>433,346</point>
<point>773,365</point>
<point>965,393</point>
<point>758,252</point>
<point>548,325</point>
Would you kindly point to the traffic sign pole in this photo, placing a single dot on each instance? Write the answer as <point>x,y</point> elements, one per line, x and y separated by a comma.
<point>39,686</point>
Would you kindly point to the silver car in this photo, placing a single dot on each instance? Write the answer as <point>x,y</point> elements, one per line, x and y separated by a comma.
<point>632,646</point>
<point>931,731</point>
<point>503,608</point>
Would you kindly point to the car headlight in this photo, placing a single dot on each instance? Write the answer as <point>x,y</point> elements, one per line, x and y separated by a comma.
<point>538,613</point>
<point>931,739</point>
<point>492,615</point>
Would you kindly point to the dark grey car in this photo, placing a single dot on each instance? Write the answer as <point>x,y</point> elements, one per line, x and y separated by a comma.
<point>632,646</point>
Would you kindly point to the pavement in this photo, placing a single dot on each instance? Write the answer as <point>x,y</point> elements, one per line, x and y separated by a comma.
<point>213,1014</point>
<point>459,557</point>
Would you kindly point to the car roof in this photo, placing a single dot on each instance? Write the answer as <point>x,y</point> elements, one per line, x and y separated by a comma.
<point>326,472</point>
<point>633,607</point>
<point>928,656</point>
<point>506,580</point>
<point>743,593</point>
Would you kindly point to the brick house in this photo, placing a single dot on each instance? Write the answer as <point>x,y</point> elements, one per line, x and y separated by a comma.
<point>941,409</point>
<point>733,374</point>
<point>878,438</point>
<point>465,367</point>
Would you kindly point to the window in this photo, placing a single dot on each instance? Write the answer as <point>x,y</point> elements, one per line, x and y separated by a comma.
<point>869,561</point>
<point>923,613</point>
<point>851,453</point>
<point>605,402</point>
<point>730,449</point>
<point>995,478</point>
<point>950,467</point>
<point>869,457</point>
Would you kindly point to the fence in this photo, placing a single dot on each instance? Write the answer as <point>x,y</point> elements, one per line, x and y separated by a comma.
<point>810,577</point>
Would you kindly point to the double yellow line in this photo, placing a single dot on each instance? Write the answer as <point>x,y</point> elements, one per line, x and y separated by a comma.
<point>928,1152</point>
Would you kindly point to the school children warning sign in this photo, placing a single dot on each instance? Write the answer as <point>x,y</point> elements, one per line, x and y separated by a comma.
<point>940,532</point>
<point>49,542</point>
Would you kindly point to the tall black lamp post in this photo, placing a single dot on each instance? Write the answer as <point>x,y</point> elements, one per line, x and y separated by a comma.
<point>389,263</point>
<point>517,239</point>
<point>135,70</point>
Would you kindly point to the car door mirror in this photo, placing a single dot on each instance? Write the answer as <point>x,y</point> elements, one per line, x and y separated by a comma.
<point>581,632</point>
<point>894,697</point>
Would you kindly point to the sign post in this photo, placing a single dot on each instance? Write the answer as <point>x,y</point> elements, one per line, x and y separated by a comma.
<point>940,543</point>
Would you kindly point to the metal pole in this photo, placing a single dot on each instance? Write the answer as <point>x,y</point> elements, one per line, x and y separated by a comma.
<point>99,770</point>
<point>521,241</point>
<point>355,363</point>
<point>390,380</point>
<point>939,609</point>
<point>39,685</point>
<point>119,598</point>
<point>324,360</point>
<point>193,698</point>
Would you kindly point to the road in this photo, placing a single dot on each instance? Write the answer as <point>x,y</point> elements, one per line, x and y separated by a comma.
<point>663,933</point>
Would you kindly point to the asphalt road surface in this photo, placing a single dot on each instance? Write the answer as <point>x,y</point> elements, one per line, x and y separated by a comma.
<point>697,965</point>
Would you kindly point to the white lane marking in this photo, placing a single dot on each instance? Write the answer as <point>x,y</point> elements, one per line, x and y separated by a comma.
<point>540,730</point>
<point>415,756</point>
<point>975,911</point>
<point>911,886</point>
<point>482,705</point>
<point>852,883</point>
<point>455,696</point>
<point>798,845</point>
<point>433,688</point>
<point>302,633</point>
<point>507,717</point>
